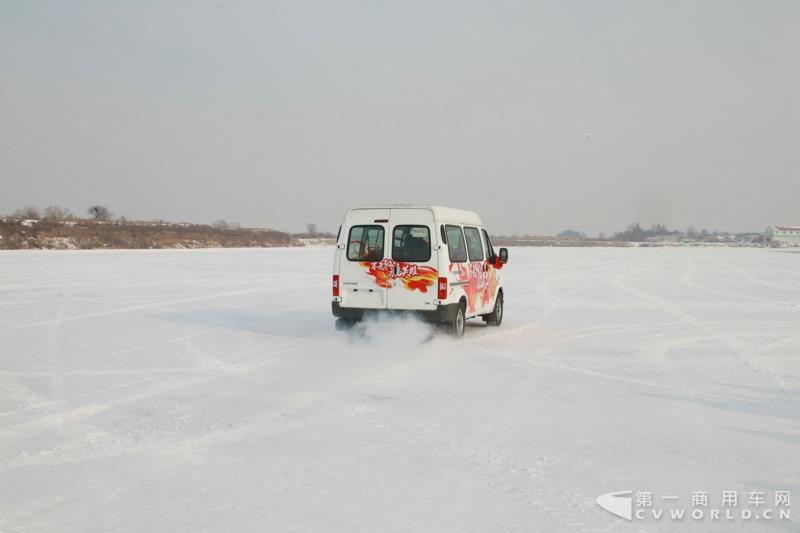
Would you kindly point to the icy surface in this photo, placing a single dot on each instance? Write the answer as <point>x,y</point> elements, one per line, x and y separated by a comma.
<point>208,391</point>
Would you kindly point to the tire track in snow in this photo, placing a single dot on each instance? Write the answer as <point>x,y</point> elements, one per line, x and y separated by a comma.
<point>488,466</point>
<point>534,359</point>
<point>749,276</point>
<point>551,300</point>
<point>683,320</point>
<point>42,403</point>
<point>691,283</point>
<point>157,388</point>
<point>733,344</point>
<point>107,444</point>
<point>156,305</point>
<point>19,393</point>
<point>86,443</point>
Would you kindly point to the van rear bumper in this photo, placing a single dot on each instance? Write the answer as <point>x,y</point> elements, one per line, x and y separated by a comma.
<point>442,313</point>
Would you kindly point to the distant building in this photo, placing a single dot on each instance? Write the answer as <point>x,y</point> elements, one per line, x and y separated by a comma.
<point>784,235</point>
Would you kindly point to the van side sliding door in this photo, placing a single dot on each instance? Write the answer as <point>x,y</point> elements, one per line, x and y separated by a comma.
<point>492,274</point>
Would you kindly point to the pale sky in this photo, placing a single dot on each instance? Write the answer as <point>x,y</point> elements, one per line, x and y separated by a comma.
<point>275,114</point>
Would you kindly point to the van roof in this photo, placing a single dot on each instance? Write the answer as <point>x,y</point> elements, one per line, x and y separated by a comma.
<point>440,213</point>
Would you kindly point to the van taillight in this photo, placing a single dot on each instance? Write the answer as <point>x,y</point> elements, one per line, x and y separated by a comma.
<point>442,289</point>
<point>335,285</point>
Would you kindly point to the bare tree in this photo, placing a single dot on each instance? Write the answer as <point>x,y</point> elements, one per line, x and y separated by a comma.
<point>311,230</point>
<point>29,212</point>
<point>99,212</point>
<point>57,213</point>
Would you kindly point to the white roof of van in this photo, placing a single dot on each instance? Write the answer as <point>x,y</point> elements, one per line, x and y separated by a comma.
<point>442,214</point>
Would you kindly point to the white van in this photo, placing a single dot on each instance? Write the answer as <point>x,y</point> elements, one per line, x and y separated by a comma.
<point>435,261</point>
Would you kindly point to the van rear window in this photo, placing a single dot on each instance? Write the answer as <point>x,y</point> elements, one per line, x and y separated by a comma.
<point>411,243</point>
<point>455,244</point>
<point>365,243</point>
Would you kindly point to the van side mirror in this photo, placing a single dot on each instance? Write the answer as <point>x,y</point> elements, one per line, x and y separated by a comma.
<point>504,255</point>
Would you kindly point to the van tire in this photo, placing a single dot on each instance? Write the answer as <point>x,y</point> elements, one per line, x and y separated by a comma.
<point>495,318</point>
<point>459,322</point>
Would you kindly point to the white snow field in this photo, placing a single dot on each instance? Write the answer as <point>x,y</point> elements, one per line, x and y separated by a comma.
<point>207,390</point>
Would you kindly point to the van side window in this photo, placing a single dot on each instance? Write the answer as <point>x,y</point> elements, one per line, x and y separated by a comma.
<point>474,245</point>
<point>455,244</point>
<point>365,243</point>
<point>489,250</point>
<point>411,243</point>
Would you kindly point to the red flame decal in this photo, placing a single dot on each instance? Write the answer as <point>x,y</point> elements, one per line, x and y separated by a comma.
<point>413,276</point>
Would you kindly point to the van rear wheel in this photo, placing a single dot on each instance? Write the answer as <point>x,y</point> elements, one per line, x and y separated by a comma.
<point>495,318</point>
<point>458,324</point>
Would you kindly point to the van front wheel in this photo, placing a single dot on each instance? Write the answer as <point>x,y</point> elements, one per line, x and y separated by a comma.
<point>458,324</point>
<point>496,316</point>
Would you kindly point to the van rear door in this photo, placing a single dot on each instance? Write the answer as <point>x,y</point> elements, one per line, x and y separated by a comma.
<point>362,283</point>
<point>413,262</point>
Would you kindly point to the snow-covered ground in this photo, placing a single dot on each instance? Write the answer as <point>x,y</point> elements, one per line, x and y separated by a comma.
<point>207,390</point>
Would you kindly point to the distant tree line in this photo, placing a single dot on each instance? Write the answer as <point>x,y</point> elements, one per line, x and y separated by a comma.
<point>633,233</point>
<point>102,213</point>
<point>636,233</point>
<point>99,212</point>
<point>57,213</point>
